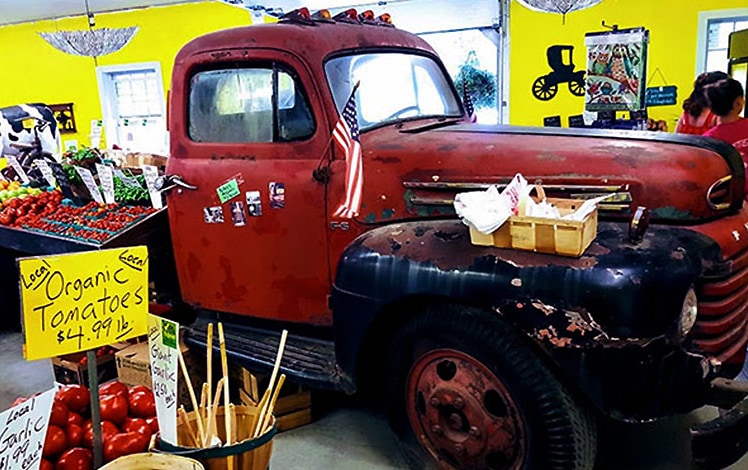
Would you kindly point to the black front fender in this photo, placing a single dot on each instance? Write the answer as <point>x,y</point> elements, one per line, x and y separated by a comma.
<point>617,294</point>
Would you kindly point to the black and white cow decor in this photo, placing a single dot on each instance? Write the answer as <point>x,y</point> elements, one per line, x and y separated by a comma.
<point>12,130</point>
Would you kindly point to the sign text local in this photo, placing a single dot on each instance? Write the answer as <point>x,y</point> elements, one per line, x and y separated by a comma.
<point>81,301</point>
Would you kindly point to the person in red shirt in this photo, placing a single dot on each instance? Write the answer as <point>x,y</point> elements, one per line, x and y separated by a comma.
<point>726,100</point>
<point>697,118</point>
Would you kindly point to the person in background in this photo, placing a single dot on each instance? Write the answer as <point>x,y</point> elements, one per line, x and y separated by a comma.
<point>726,100</point>
<point>697,118</point>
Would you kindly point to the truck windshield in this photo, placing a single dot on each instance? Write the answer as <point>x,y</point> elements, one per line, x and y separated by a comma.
<point>393,86</point>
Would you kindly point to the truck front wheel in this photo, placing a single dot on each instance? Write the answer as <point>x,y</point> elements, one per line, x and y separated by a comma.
<point>474,395</point>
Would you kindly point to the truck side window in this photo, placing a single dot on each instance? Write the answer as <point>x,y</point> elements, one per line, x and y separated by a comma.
<point>248,105</point>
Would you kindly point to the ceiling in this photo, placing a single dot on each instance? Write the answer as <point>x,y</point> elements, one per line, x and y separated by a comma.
<point>20,11</point>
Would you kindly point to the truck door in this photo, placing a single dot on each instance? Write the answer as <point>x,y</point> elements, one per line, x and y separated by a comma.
<point>247,130</point>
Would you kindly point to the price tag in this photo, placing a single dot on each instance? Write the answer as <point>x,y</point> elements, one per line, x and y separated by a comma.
<point>24,428</point>
<point>13,162</point>
<point>162,346</point>
<point>62,179</point>
<point>90,183</point>
<point>106,178</point>
<point>150,173</point>
<point>46,172</point>
<point>81,301</point>
<point>228,190</point>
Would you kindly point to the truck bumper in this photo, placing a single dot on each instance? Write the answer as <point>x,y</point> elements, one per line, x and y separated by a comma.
<point>722,441</point>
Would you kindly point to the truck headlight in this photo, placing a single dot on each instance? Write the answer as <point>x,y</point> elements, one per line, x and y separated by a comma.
<point>688,312</point>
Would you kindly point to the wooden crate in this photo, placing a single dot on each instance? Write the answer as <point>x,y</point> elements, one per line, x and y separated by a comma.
<point>293,408</point>
<point>555,236</point>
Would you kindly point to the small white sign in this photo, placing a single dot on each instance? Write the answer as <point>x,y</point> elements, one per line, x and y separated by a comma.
<point>106,178</point>
<point>163,341</point>
<point>90,183</point>
<point>13,162</point>
<point>46,172</point>
<point>150,173</point>
<point>24,428</point>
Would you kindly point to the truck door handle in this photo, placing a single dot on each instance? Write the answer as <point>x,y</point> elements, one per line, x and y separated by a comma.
<point>168,182</point>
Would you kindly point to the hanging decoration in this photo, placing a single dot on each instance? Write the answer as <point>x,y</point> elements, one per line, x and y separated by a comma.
<point>91,42</point>
<point>616,68</point>
<point>561,7</point>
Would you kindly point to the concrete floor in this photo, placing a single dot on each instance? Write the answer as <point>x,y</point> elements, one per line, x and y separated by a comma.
<point>347,436</point>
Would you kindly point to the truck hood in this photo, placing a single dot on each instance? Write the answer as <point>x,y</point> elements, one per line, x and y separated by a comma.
<point>679,178</point>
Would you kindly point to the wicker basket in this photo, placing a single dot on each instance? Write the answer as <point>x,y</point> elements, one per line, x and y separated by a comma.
<point>153,461</point>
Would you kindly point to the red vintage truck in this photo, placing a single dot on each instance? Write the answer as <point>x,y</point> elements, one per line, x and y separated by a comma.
<point>485,357</point>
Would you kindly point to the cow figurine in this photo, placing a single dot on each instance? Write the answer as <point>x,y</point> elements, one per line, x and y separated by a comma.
<point>12,130</point>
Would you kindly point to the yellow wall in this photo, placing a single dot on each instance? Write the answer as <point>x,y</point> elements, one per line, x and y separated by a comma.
<point>672,24</point>
<point>34,71</point>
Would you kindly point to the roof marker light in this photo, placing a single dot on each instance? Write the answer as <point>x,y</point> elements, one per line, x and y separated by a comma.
<point>348,16</point>
<point>367,15</point>
<point>385,19</point>
<point>300,15</point>
<point>322,15</point>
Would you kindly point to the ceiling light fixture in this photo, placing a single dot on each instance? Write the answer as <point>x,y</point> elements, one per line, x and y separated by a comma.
<point>558,6</point>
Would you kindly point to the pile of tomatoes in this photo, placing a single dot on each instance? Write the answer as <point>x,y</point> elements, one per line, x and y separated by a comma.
<point>19,210</point>
<point>128,420</point>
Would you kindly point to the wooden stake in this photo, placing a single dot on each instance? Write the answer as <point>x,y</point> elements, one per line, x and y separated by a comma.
<point>214,413</point>
<point>225,369</point>
<point>271,385</point>
<point>267,418</point>
<point>195,406</point>
<point>190,430</point>
<point>204,401</point>
<point>209,366</point>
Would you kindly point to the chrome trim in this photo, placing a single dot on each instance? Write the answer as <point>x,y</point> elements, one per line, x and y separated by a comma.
<point>718,207</point>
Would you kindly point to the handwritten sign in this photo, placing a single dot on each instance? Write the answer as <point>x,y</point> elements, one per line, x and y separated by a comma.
<point>13,162</point>
<point>81,301</point>
<point>106,178</point>
<point>46,172</point>
<point>150,173</point>
<point>228,190</point>
<point>162,346</point>
<point>62,179</point>
<point>90,183</point>
<point>661,96</point>
<point>23,430</point>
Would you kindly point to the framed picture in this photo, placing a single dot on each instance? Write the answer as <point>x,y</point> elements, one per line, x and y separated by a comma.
<point>63,113</point>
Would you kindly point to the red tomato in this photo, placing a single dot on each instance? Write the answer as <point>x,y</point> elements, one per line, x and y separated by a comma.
<point>76,397</point>
<point>124,444</point>
<point>59,416</point>
<point>139,388</point>
<point>18,401</point>
<point>114,388</point>
<point>153,424</point>
<point>75,418</point>
<point>76,458</point>
<point>137,425</point>
<point>142,404</point>
<point>74,434</point>
<point>108,429</point>
<point>113,408</point>
<point>46,465</point>
<point>55,442</point>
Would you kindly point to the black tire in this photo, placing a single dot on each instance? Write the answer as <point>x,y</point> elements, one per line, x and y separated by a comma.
<point>542,91</point>
<point>529,419</point>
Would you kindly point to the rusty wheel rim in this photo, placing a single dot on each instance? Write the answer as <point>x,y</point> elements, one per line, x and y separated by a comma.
<point>462,414</point>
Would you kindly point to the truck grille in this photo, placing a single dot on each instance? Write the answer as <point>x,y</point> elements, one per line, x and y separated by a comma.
<point>720,329</point>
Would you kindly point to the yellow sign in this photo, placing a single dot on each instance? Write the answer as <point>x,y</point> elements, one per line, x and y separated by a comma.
<point>81,301</point>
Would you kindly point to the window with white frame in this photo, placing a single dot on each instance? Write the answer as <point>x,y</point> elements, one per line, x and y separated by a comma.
<point>132,99</point>
<point>714,32</point>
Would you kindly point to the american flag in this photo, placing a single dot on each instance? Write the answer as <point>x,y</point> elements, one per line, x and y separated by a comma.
<point>468,103</point>
<point>346,134</point>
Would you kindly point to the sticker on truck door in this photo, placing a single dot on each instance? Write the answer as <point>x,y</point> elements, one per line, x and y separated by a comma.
<point>277,195</point>
<point>254,203</point>
<point>213,215</point>
<point>237,213</point>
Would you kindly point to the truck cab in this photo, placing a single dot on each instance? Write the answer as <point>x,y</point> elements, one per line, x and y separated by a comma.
<point>487,357</point>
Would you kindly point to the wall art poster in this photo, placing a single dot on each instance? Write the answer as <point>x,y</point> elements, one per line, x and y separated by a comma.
<point>616,68</point>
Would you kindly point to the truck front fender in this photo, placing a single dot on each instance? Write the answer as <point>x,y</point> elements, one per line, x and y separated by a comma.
<point>617,294</point>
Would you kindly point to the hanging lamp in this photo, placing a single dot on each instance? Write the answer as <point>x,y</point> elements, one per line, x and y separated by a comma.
<point>561,7</point>
<point>91,42</point>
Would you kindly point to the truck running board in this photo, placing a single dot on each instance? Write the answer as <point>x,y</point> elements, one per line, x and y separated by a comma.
<point>306,361</point>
